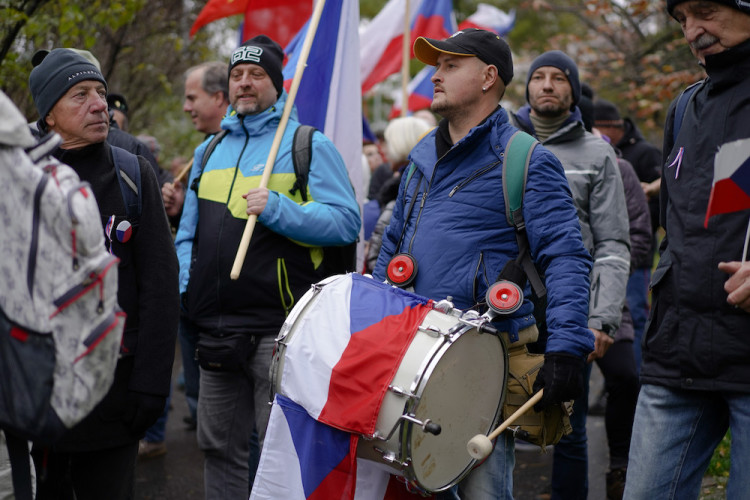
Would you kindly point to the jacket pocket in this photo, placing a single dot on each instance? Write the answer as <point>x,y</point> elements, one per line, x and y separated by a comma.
<point>660,291</point>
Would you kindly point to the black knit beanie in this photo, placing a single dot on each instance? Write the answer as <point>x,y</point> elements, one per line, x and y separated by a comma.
<point>741,5</point>
<point>564,63</point>
<point>55,74</point>
<point>264,52</point>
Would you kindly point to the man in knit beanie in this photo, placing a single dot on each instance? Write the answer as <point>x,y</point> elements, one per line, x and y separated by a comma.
<point>695,376</point>
<point>239,319</point>
<point>553,90</point>
<point>96,458</point>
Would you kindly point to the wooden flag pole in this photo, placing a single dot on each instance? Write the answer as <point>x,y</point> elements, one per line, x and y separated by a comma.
<point>406,52</point>
<point>183,173</point>
<point>239,259</point>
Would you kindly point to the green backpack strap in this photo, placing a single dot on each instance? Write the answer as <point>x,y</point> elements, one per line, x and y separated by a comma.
<point>515,170</point>
<point>518,152</point>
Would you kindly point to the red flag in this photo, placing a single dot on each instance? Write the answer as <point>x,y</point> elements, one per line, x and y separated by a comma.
<point>217,9</point>
<point>279,19</point>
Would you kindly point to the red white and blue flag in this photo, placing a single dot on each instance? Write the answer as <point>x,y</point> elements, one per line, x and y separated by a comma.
<point>328,97</point>
<point>382,40</point>
<point>731,187</point>
<point>420,89</point>
<point>343,354</point>
<point>490,18</point>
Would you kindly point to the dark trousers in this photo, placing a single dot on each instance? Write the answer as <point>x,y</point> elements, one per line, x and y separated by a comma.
<point>621,384</point>
<point>91,475</point>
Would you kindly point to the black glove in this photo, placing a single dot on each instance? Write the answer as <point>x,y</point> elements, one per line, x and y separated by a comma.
<point>146,409</point>
<point>561,376</point>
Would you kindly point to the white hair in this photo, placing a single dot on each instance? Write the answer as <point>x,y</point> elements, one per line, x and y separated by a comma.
<point>402,134</point>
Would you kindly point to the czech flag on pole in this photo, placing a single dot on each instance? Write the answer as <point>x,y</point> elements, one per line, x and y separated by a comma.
<point>383,38</point>
<point>731,187</point>
<point>328,97</point>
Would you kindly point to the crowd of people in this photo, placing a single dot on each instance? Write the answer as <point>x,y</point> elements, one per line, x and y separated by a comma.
<point>596,197</point>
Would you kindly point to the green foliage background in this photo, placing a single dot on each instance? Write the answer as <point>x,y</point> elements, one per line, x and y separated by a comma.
<point>630,52</point>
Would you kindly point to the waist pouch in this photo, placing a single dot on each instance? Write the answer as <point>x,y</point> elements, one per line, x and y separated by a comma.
<point>224,353</point>
<point>540,428</point>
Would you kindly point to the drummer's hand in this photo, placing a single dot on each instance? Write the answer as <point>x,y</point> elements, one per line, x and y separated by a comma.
<point>602,342</point>
<point>256,200</point>
<point>561,377</point>
<point>738,284</point>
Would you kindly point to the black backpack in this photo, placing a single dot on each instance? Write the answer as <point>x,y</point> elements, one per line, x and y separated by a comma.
<point>339,259</point>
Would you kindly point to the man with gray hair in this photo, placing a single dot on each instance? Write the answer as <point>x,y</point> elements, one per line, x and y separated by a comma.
<point>696,352</point>
<point>96,458</point>
<point>206,101</point>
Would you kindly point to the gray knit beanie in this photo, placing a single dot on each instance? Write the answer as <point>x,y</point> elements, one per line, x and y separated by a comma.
<point>55,74</point>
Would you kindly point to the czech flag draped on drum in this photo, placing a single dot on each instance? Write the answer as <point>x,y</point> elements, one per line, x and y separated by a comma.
<point>339,359</point>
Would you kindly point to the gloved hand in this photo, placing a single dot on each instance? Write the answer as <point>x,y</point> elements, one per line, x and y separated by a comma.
<point>561,376</point>
<point>145,408</point>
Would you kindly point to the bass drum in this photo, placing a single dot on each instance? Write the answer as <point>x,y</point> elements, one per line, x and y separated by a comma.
<point>448,387</point>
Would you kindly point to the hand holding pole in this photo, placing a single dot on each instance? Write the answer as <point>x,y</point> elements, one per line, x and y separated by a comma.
<point>252,219</point>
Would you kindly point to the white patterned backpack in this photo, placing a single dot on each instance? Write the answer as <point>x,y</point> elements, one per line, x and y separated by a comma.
<point>60,324</point>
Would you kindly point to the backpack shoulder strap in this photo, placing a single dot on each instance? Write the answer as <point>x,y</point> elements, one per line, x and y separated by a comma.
<point>682,104</point>
<point>301,158</point>
<point>518,152</point>
<point>129,176</point>
<point>215,140</point>
<point>515,170</point>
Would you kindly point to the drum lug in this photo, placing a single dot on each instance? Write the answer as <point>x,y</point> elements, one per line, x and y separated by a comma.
<point>426,425</point>
<point>390,457</point>
<point>400,391</point>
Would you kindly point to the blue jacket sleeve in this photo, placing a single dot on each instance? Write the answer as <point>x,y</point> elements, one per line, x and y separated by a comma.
<point>557,248</point>
<point>188,221</point>
<point>331,217</point>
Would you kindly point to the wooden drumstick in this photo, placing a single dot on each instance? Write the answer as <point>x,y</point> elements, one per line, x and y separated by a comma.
<point>181,176</point>
<point>480,446</point>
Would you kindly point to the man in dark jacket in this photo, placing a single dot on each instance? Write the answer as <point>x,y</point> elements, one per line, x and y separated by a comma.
<point>97,457</point>
<point>696,354</point>
<point>646,160</point>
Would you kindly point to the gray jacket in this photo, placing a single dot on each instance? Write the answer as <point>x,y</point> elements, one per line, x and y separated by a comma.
<point>594,178</point>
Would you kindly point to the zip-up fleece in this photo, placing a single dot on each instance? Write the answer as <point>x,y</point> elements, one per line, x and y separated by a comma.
<point>461,240</point>
<point>284,255</point>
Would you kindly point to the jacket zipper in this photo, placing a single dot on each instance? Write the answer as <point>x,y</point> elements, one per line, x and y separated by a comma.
<point>219,271</point>
<point>476,174</point>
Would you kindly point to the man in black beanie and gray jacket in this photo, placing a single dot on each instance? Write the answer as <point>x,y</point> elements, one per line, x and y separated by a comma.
<point>96,458</point>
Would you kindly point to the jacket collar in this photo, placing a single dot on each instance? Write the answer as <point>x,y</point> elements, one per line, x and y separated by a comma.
<point>571,129</point>
<point>260,123</point>
<point>729,66</point>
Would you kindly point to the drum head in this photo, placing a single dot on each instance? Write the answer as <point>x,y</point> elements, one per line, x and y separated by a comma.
<point>463,391</point>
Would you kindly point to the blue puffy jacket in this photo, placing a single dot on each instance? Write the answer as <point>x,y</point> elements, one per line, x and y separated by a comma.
<point>460,238</point>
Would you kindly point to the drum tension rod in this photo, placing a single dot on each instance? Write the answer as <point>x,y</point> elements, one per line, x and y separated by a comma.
<point>427,426</point>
